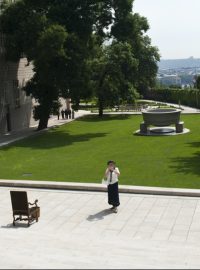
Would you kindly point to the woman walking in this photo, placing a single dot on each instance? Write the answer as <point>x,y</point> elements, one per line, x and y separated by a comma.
<point>112,173</point>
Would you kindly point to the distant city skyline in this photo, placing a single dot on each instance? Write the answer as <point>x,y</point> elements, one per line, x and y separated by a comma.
<point>174,26</point>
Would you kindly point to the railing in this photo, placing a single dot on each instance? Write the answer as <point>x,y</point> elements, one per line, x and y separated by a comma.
<point>130,107</point>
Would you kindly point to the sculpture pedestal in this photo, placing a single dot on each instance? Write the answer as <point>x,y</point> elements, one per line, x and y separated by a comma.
<point>179,127</point>
<point>143,128</point>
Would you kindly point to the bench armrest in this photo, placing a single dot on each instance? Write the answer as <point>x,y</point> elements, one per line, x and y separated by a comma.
<point>35,203</point>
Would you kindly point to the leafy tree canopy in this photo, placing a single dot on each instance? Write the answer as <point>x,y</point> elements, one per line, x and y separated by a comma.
<point>65,40</point>
<point>197,82</point>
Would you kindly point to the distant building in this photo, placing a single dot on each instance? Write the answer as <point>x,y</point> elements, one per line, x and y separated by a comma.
<point>15,106</point>
<point>168,80</point>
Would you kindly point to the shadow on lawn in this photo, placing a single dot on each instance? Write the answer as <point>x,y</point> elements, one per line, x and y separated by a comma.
<point>54,139</point>
<point>188,165</point>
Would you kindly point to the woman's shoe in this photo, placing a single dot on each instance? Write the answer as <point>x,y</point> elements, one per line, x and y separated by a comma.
<point>115,210</point>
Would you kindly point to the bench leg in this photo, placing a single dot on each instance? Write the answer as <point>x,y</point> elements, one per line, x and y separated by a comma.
<point>37,216</point>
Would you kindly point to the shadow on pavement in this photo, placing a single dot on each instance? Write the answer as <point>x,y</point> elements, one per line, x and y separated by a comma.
<point>17,226</point>
<point>100,215</point>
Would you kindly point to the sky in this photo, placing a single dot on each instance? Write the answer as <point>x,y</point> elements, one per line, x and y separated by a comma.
<point>174,26</point>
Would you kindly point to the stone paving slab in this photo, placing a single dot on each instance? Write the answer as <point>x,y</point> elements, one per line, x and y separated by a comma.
<point>78,231</point>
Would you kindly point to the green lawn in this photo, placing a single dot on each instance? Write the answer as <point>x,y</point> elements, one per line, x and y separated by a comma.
<point>79,151</point>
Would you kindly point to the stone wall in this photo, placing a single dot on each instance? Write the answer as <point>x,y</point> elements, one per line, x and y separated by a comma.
<point>15,106</point>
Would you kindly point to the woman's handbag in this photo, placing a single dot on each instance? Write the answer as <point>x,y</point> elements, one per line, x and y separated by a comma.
<point>104,181</point>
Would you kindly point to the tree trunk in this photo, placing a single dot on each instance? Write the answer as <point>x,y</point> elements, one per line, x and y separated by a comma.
<point>100,108</point>
<point>100,112</point>
<point>43,123</point>
<point>101,95</point>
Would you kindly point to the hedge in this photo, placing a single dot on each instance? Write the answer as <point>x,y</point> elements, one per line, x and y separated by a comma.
<point>187,97</point>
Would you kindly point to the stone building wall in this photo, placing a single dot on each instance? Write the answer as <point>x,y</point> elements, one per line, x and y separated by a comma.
<point>15,106</point>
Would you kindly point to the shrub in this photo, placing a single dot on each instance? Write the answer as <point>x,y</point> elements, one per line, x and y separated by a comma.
<point>188,97</point>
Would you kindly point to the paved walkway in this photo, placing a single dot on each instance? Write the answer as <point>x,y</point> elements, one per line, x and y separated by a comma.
<point>76,230</point>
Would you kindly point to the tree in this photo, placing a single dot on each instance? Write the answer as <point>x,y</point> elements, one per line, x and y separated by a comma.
<point>131,27</point>
<point>197,82</point>
<point>129,63</point>
<point>50,68</point>
<point>114,71</point>
<point>56,36</point>
<point>43,43</point>
<point>63,38</point>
